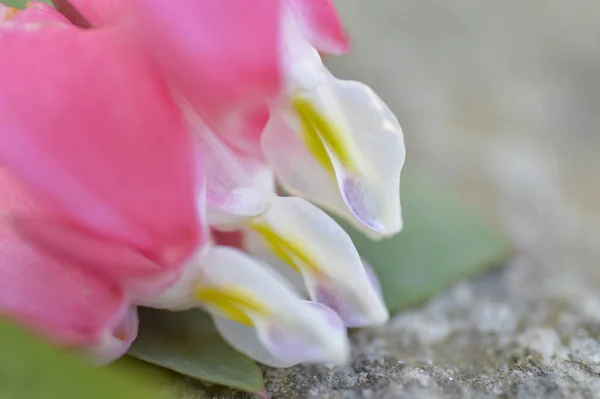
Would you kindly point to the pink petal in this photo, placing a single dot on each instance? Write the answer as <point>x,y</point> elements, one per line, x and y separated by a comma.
<point>44,229</point>
<point>91,128</point>
<point>61,300</point>
<point>220,55</point>
<point>321,25</point>
<point>39,12</point>
<point>141,276</point>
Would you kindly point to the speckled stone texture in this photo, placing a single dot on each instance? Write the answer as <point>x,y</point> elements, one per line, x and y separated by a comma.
<point>499,104</point>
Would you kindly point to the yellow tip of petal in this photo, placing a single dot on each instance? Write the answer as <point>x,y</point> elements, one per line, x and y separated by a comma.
<point>319,134</point>
<point>232,302</point>
<point>285,248</point>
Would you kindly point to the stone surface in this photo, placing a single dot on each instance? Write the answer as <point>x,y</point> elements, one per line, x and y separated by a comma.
<point>498,101</point>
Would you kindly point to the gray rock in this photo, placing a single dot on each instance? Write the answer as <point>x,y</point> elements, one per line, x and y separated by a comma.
<point>498,101</point>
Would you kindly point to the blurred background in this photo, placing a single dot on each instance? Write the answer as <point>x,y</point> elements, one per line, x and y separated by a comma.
<point>499,103</point>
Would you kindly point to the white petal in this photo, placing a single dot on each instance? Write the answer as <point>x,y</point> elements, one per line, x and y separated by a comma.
<point>234,286</point>
<point>245,339</point>
<point>354,139</point>
<point>372,189</point>
<point>297,170</point>
<point>256,245</point>
<point>276,345</point>
<point>314,245</point>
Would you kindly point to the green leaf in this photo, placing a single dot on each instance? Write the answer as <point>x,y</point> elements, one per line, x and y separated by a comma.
<point>188,343</point>
<point>170,385</point>
<point>441,242</point>
<point>21,3</point>
<point>33,369</point>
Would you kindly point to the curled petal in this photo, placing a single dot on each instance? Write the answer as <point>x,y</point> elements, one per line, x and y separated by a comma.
<point>116,339</point>
<point>355,142</point>
<point>200,49</point>
<point>234,185</point>
<point>320,24</point>
<point>105,146</point>
<point>316,247</point>
<point>257,311</point>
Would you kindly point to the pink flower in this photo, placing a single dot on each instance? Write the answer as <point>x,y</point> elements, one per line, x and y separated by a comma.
<point>110,212</point>
<point>149,123</point>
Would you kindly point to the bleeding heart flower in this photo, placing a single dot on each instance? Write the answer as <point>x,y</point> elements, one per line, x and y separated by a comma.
<point>193,109</point>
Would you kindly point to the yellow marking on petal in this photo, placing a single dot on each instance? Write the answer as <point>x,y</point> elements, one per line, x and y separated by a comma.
<point>318,131</point>
<point>10,13</point>
<point>313,143</point>
<point>233,302</point>
<point>288,250</point>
